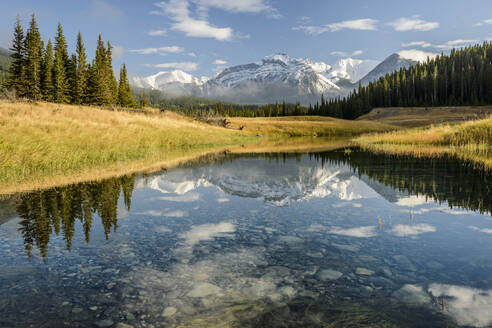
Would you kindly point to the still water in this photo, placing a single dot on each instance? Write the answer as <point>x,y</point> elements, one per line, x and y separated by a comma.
<point>331,239</point>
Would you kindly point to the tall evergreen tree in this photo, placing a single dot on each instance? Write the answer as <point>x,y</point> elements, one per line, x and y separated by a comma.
<point>125,98</point>
<point>16,80</point>
<point>72,77</point>
<point>98,87</point>
<point>80,95</point>
<point>47,89</point>
<point>33,46</point>
<point>60,80</point>
<point>111,80</point>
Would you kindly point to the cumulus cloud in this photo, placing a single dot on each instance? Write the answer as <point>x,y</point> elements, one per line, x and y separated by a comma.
<point>489,231</point>
<point>402,230</point>
<point>220,62</point>
<point>191,54</point>
<point>184,66</point>
<point>161,50</point>
<point>157,32</point>
<point>179,12</point>
<point>359,232</point>
<point>367,24</point>
<point>417,55</point>
<point>412,24</point>
<point>346,54</point>
<point>460,43</point>
<point>202,232</point>
<point>484,22</point>
<point>469,306</point>
<point>188,197</point>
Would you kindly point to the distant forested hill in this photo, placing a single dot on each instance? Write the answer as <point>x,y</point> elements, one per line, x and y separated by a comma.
<point>462,78</point>
<point>4,64</point>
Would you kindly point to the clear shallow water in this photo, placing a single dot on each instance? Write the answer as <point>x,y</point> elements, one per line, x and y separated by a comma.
<point>277,240</point>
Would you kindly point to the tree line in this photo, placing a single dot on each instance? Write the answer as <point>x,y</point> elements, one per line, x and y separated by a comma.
<point>462,78</point>
<point>46,72</point>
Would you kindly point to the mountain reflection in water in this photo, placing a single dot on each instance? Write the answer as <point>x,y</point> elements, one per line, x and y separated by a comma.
<point>330,239</point>
<point>279,183</point>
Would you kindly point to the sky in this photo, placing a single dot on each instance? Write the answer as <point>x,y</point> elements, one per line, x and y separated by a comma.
<point>202,37</point>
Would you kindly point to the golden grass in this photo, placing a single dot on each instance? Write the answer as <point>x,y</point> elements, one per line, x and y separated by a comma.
<point>43,144</point>
<point>314,126</point>
<point>469,141</point>
<point>424,116</point>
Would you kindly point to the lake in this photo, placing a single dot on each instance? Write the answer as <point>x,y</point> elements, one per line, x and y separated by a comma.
<point>342,238</point>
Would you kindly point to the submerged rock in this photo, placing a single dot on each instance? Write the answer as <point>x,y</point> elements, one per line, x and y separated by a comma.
<point>364,272</point>
<point>169,312</point>
<point>204,289</point>
<point>329,275</point>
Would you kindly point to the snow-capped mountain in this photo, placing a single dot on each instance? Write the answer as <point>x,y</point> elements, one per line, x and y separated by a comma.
<point>390,64</point>
<point>174,82</point>
<point>351,69</point>
<point>275,78</point>
<point>278,185</point>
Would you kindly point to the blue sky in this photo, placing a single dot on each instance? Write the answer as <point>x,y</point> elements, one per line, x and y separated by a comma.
<point>203,36</point>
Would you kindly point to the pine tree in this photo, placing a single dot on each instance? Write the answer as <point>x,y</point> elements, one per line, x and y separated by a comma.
<point>33,48</point>
<point>47,89</point>
<point>111,80</point>
<point>125,98</point>
<point>80,94</point>
<point>16,80</point>
<point>72,77</point>
<point>60,81</point>
<point>98,88</point>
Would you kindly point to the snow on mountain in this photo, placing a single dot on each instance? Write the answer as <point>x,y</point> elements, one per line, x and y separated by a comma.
<point>172,82</point>
<point>351,69</point>
<point>389,65</point>
<point>277,185</point>
<point>277,77</point>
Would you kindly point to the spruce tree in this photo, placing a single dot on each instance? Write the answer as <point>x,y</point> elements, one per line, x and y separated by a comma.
<point>47,89</point>
<point>98,88</point>
<point>80,95</point>
<point>33,61</point>
<point>16,78</point>
<point>111,80</point>
<point>72,77</point>
<point>60,81</point>
<point>125,98</point>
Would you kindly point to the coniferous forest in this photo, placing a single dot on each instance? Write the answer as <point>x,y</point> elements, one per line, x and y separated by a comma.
<point>462,78</point>
<point>45,71</point>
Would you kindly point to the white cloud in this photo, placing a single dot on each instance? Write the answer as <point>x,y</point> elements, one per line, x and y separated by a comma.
<point>346,54</point>
<point>359,232</point>
<point>202,232</point>
<point>161,50</point>
<point>413,24</point>
<point>179,12</point>
<point>104,11</point>
<point>469,306</point>
<point>157,33</point>
<point>484,22</point>
<point>118,52</point>
<point>188,197</point>
<point>184,66</point>
<point>489,231</point>
<point>220,62</point>
<point>191,54</point>
<point>402,230</point>
<point>412,200</point>
<point>444,46</point>
<point>367,24</point>
<point>175,214</point>
<point>417,55</point>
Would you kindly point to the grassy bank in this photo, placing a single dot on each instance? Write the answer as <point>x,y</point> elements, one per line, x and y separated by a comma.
<point>302,126</point>
<point>45,144</point>
<point>424,116</point>
<point>469,141</point>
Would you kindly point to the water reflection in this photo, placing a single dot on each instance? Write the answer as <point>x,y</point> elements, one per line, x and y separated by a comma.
<point>55,210</point>
<point>333,239</point>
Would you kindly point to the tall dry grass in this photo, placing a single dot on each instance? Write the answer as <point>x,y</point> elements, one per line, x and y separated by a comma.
<point>42,142</point>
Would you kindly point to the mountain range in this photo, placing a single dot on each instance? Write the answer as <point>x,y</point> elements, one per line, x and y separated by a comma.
<point>275,78</point>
